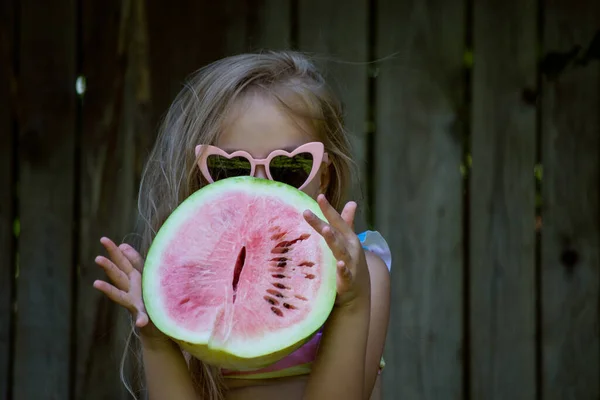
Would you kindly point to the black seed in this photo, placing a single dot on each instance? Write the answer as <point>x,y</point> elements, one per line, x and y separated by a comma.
<point>275,293</point>
<point>277,311</point>
<point>279,285</point>
<point>278,276</point>
<point>271,300</point>
<point>306,264</point>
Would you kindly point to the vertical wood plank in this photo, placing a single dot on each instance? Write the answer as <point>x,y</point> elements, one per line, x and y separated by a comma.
<point>46,190</point>
<point>336,32</point>
<point>570,193</point>
<point>236,28</point>
<point>185,38</point>
<point>7,266</point>
<point>107,192</point>
<point>139,68</point>
<point>502,202</point>
<point>182,40</point>
<point>419,192</point>
<point>269,24</point>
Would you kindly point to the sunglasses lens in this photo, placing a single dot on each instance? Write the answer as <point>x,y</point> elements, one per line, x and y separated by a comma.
<point>292,170</point>
<point>221,167</point>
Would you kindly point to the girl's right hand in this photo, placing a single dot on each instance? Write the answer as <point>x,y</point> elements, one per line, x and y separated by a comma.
<point>124,269</point>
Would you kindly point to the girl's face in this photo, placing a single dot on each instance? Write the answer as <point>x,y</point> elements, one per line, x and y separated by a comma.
<point>259,126</point>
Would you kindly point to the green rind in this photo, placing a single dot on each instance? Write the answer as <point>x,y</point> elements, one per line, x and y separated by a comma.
<point>232,362</point>
<point>270,349</point>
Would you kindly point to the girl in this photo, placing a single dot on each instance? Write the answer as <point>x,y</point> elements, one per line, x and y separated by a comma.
<point>259,103</point>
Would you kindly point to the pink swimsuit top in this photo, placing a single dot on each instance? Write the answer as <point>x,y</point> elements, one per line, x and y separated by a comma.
<point>299,362</point>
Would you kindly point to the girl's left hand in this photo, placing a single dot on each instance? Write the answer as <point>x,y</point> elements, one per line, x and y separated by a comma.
<point>353,283</point>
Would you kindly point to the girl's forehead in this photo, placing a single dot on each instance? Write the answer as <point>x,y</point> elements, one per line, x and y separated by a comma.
<point>258,125</point>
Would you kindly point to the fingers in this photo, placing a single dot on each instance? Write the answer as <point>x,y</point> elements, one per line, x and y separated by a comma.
<point>344,277</point>
<point>348,214</point>
<point>332,238</point>
<point>116,275</point>
<point>122,270</point>
<point>334,218</point>
<point>133,256</point>
<point>116,255</point>
<point>116,295</point>
<point>141,319</point>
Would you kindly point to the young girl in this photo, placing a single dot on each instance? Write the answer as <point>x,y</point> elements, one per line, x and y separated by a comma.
<point>259,103</point>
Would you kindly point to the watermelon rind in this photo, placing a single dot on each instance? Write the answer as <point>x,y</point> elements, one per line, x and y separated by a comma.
<point>238,354</point>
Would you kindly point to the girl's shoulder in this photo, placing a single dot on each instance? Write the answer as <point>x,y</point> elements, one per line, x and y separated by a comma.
<point>374,242</point>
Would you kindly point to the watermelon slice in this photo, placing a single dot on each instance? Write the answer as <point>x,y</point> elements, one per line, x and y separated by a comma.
<point>236,275</point>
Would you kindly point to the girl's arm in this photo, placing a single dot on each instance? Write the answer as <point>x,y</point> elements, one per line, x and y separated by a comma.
<point>350,351</point>
<point>354,336</point>
<point>166,371</point>
<point>167,374</point>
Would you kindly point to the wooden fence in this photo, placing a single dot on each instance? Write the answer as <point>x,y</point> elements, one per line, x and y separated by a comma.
<point>451,125</point>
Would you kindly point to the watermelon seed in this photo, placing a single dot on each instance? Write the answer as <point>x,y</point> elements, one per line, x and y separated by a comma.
<point>278,276</point>
<point>271,300</point>
<point>277,236</point>
<point>182,302</point>
<point>289,306</point>
<point>239,265</point>
<point>306,264</point>
<point>280,286</point>
<point>301,297</point>
<point>302,237</point>
<point>310,276</point>
<point>275,293</point>
<point>280,259</point>
<point>280,264</point>
<point>277,311</point>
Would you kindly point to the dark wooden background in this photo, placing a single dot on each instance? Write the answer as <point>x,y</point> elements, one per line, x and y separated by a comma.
<point>476,125</point>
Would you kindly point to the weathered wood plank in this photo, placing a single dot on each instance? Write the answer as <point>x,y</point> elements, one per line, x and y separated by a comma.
<point>236,28</point>
<point>269,24</point>
<point>336,32</point>
<point>107,191</point>
<point>7,259</point>
<point>182,40</point>
<point>46,190</point>
<point>419,193</point>
<point>139,68</point>
<point>502,202</point>
<point>570,193</point>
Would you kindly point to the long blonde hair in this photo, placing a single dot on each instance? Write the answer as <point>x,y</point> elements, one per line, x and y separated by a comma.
<point>196,117</point>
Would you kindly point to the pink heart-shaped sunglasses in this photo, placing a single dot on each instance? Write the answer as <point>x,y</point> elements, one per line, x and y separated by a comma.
<point>297,168</point>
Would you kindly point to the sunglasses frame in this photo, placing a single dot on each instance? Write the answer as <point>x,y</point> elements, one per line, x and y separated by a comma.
<point>316,149</point>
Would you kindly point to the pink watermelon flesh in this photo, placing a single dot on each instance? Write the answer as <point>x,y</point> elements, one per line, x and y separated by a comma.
<point>224,279</point>
<point>241,269</point>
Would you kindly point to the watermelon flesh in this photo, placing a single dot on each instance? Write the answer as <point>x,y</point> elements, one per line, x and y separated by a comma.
<point>237,276</point>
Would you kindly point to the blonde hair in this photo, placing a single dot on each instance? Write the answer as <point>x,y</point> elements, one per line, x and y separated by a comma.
<point>196,117</point>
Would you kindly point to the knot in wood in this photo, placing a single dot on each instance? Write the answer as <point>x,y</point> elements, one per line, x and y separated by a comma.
<point>569,258</point>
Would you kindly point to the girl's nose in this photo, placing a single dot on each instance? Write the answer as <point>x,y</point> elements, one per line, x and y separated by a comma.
<point>260,172</point>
